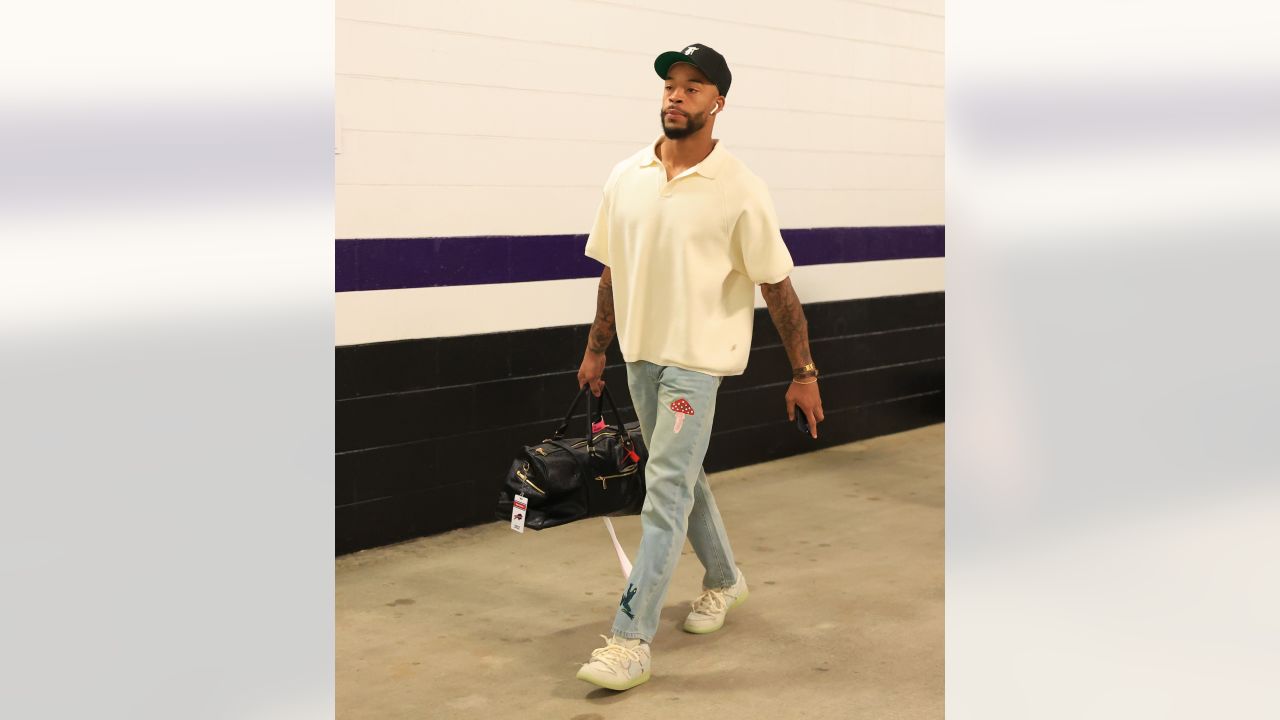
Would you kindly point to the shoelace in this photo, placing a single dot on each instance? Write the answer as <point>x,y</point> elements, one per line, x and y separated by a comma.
<point>710,601</point>
<point>615,653</point>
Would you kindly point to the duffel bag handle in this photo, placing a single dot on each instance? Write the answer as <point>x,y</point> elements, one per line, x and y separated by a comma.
<point>617,417</point>
<point>564,426</point>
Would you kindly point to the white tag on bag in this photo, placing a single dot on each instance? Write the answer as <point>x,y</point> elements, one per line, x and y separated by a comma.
<point>519,507</point>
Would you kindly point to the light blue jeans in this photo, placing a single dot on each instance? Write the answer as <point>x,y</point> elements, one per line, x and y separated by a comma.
<point>678,500</point>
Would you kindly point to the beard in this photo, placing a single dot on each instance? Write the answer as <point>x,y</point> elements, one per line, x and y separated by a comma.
<point>692,124</point>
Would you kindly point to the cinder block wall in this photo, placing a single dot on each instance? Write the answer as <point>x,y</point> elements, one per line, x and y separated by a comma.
<point>473,140</point>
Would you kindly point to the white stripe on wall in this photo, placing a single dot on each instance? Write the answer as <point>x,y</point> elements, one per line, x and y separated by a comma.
<point>384,315</point>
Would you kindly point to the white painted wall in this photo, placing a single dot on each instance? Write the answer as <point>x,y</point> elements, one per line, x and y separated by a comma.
<point>504,117</point>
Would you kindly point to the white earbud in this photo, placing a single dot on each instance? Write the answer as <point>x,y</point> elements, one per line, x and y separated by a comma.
<point>714,109</point>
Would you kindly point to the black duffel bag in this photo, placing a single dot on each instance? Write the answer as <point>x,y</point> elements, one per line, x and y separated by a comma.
<point>568,479</point>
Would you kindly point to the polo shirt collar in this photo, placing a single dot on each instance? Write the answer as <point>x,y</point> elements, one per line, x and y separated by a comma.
<point>708,168</point>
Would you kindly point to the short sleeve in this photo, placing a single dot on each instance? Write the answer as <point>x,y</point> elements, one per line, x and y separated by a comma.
<point>759,252</point>
<point>598,240</point>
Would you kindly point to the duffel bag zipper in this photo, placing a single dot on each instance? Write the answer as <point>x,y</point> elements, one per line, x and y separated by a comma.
<point>604,479</point>
<point>524,477</point>
<point>542,451</point>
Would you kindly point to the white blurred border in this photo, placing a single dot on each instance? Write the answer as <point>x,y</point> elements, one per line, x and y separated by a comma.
<point>1112,360</point>
<point>166,279</point>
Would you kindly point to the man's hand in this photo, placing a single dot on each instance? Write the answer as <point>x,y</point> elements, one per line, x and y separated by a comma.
<point>592,371</point>
<point>788,317</point>
<point>809,401</point>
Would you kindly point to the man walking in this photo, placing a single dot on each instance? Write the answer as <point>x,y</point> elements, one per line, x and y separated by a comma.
<point>685,232</point>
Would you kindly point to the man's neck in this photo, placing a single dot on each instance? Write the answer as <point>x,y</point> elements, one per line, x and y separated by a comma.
<point>685,152</point>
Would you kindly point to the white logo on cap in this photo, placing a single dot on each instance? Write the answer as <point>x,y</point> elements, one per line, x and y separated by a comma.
<point>689,50</point>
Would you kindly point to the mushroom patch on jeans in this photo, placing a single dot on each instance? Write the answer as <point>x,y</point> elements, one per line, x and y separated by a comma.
<point>681,408</point>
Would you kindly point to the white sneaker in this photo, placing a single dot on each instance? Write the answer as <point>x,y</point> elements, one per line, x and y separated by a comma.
<point>621,664</point>
<point>713,605</point>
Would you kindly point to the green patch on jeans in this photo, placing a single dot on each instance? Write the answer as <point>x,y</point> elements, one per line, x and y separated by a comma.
<point>626,601</point>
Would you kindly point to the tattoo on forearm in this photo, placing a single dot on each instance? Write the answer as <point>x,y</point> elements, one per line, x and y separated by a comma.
<point>788,317</point>
<point>602,329</point>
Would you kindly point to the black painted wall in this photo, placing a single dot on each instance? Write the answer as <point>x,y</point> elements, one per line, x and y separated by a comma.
<point>426,429</point>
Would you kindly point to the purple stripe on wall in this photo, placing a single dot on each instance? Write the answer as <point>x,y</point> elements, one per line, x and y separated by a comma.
<point>393,263</point>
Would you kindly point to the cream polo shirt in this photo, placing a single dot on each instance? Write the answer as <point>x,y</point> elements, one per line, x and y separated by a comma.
<point>685,257</point>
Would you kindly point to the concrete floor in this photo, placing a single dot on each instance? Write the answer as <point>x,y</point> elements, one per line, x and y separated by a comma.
<point>842,549</point>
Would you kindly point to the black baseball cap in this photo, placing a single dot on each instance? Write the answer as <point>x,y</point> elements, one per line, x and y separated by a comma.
<point>710,62</point>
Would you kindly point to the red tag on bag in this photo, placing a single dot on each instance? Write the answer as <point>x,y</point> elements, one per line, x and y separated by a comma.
<point>634,456</point>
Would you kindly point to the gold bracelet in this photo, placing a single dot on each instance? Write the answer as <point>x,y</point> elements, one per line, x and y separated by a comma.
<point>814,380</point>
